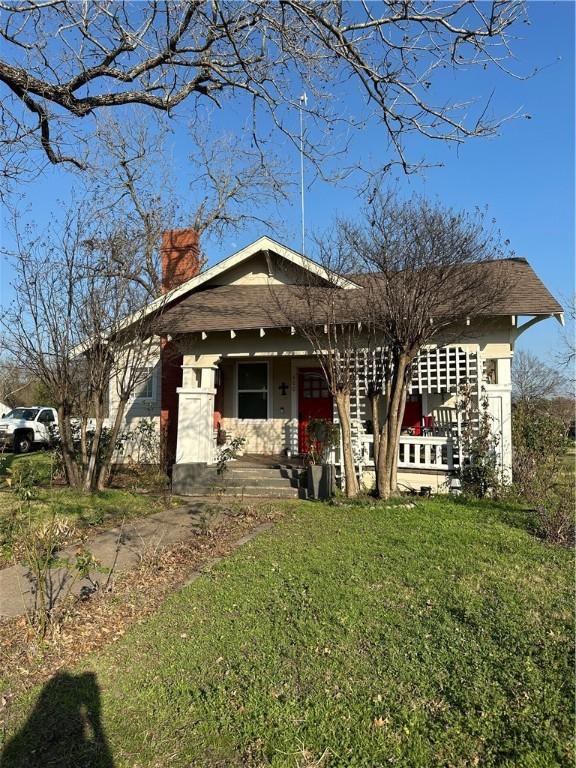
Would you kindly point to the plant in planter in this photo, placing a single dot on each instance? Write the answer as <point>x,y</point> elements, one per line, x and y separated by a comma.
<point>323,437</point>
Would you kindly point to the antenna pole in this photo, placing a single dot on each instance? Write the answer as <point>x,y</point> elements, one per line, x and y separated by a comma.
<point>303,102</point>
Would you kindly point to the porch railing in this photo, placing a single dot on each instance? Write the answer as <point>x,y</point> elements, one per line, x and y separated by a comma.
<point>426,453</point>
<point>432,452</point>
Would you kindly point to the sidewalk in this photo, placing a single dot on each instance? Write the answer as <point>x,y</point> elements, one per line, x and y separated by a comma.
<point>119,549</point>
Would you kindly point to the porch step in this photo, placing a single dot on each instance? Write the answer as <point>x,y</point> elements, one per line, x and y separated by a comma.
<point>249,472</point>
<point>245,478</point>
<point>236,481</point>
<point>247,491</point>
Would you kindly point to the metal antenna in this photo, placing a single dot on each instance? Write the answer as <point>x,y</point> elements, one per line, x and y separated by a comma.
<point>303,103</point>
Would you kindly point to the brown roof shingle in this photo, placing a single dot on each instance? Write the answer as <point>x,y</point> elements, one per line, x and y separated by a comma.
<point>242,307</point>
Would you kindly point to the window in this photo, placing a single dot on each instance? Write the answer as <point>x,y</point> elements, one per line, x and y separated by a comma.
<point>144,389</point>
<point>46,417</point>
<point>314,386</point>
<point>28,414</point>
<point>252,390</point>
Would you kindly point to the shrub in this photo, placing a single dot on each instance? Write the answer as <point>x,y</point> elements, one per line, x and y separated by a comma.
<point>539,447</point>
<point>480,473</point>
<point>555,517</point>
<point>36,546</point>
<point>24,476</point>
<point>228,452</point>
<point>148,450</point>
<point>539,450</point>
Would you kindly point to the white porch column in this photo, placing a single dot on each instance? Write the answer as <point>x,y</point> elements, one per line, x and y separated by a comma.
<point>500,409</point>
<point>195,443</point>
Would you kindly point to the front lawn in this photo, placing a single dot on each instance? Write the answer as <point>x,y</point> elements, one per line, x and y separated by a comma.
<point>346,636</point>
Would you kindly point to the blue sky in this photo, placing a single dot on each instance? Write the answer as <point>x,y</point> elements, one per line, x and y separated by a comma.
<point>525,176</point>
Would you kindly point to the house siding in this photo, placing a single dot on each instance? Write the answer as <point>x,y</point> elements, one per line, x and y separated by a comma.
<point>137,410</point>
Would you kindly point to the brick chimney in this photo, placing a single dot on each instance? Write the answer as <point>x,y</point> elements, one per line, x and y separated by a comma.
<point>180,253</point>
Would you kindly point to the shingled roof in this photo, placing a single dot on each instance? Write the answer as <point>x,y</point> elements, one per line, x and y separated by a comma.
<point>242,307</point>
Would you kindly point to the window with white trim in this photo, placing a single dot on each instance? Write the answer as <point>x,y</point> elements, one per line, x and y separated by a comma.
<point>144,389</point>
<point>252,386</point>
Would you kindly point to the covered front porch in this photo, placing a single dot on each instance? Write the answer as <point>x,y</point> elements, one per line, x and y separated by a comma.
<point>267,400</point>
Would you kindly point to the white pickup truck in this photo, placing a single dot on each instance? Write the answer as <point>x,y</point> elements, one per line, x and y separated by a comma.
<point>22,428</point>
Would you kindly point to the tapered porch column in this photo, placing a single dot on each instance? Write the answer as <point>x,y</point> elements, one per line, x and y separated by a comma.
<point>195,442</point>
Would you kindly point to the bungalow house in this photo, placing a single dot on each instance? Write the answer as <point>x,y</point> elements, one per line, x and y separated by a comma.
<point>229,365</point>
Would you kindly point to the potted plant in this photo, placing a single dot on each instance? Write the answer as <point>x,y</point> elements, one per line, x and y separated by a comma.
<point>323,436</point>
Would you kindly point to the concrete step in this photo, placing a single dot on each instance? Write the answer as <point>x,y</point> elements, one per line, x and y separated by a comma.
<point>234,481</point>
<point>272,464</point>
<point>261,491</point>
<point>254,472</point>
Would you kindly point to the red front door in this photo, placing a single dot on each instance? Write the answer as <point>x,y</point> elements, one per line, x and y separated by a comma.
<point>314,402</point>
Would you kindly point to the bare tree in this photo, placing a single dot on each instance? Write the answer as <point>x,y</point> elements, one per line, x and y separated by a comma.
<point>424,272</point>
<point>66,328</point>
<point>15,384</point>
<point>65,62</point>
<point>533,380</point>
<point>133,179</point>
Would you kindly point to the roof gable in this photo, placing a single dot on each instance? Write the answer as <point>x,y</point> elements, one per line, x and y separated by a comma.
<point>261,245</point>
<point>212,274</point>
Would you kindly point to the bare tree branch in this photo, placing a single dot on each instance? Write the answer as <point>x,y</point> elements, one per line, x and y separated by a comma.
<point>132,183</point>
<point>161,54</point>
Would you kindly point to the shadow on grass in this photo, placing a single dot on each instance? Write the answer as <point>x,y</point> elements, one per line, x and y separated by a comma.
<point>511,513</point>
<point>64,728</point>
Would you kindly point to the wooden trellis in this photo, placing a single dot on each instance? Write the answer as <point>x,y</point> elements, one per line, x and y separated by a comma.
<point>444,369</point>
<point>435,370</point>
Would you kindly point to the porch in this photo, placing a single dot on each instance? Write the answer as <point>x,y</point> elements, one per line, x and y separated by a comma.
<point>268,399</point>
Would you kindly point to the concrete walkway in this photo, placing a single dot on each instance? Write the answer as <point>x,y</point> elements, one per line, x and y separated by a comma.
<point>118,549</point>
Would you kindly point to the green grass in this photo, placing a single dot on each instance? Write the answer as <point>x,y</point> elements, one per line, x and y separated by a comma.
<point>41,463</point>
<point>352,636</point>
<point>84,511</point>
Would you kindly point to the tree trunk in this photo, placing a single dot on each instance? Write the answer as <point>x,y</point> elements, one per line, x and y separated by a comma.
<point>91,478</point>
<point>343,407</point>
<point>382,490</point>
<point>67,446</point>
<point>393,484</point>
<point>375,398</point>
<point>382,479</point>
<point>83,442</point>
<point>390,432</point>
<point>104,471</point>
